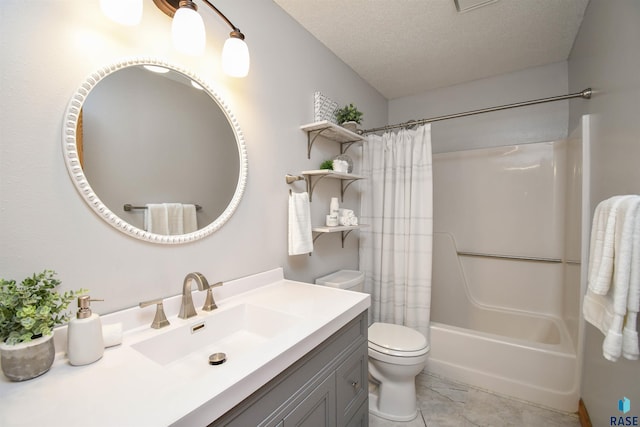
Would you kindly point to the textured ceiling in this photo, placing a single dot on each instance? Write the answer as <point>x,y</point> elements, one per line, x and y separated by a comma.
<point>403,47</point>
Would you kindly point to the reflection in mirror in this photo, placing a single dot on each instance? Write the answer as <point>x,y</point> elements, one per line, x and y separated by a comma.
<point>138,137</point>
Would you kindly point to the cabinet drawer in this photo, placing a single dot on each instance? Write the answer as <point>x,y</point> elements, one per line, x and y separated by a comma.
<point>352,384</point>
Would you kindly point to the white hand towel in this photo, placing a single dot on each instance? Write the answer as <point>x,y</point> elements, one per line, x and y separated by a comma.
<point>300,239</point>
<point>190,219</point>
<point>175,218</point>
<point>156,218</point>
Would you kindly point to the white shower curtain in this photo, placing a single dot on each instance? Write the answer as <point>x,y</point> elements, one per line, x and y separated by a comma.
<point>397,203</point>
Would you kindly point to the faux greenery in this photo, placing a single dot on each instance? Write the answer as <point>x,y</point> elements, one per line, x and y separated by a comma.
<point>327,164</point>
<point>32,308</point>
<point>348,113</point>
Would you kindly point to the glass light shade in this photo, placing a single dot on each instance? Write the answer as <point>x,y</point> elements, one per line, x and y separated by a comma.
<point>235,57</point>
<point>187,31</point>
<point>124,12</point>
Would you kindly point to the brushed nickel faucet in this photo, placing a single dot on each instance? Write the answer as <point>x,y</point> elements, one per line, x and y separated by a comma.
<point>160,320</point>
<point>187,308</point>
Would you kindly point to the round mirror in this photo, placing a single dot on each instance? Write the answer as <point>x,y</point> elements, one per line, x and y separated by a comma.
<point>154,151</point>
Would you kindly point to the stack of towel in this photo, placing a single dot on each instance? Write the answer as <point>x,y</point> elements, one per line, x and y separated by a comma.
<point>170,218</point>
<point>347,217</point>
<point>613,295</point>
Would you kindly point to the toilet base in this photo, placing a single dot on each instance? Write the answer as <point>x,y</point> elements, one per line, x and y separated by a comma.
<point>374,410</point>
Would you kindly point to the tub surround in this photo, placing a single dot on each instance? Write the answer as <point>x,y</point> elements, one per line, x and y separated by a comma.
<point>127,387</point>
<point>505,280</point>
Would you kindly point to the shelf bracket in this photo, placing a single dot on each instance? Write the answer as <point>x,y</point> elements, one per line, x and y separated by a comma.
<point>311,140</point>
<point>343,187</point>
<point>344,146</point>
<point>344,234</point>
<point>311,185</point>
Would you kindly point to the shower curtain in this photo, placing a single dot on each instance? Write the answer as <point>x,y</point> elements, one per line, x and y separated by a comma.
<point>397,203</point>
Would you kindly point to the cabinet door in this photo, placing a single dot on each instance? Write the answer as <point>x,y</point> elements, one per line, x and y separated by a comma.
<point>317,409</point>
<point>361,417</point>
<point>352,384</point>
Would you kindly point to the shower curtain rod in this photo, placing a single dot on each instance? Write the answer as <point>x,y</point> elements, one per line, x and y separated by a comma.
<point>586,94</point>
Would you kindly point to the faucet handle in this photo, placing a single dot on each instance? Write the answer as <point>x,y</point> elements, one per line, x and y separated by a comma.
<point>160,320</point>
<point>209,303</point>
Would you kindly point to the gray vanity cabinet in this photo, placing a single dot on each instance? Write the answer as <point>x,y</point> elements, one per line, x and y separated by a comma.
<point>326,387</point>
<point>317,409</point>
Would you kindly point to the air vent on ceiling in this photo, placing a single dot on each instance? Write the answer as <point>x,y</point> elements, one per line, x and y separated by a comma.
<point>467,5</point>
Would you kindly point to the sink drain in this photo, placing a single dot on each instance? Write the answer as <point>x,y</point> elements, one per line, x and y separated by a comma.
<point>217,358</point>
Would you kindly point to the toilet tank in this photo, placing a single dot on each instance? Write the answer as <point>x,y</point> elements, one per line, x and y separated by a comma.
<point>351,280</point>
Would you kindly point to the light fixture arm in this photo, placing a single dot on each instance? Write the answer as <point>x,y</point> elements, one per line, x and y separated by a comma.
<point>189,36</point>
<point>169,7</point>
<point>236,31</point>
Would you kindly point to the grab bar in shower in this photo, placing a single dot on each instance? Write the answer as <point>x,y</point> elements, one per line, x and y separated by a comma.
<point>512,257</point>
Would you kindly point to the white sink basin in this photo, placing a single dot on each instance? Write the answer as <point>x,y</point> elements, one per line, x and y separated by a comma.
<point>236,331</point>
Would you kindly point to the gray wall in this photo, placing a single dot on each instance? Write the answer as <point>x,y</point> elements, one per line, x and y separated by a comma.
<point>606,56</point>
<point>49,47</point>
<point>545,122</point>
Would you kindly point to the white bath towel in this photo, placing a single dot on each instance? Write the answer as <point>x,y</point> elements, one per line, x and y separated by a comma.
<point>175,218</point>
<point>613,292</point>
<point>630,347</point>
<point>156,218</point>
<point>602,245</point>
<point>190,219</point>
<point>300,238</point>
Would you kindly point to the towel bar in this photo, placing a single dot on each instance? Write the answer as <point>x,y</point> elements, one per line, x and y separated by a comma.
<point>293,178</point>
<point>129,207</point>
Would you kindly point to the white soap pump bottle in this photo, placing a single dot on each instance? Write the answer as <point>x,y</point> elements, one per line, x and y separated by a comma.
<point>85,343</point>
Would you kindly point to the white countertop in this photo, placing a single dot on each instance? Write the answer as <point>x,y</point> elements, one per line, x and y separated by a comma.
<point>125,388</point>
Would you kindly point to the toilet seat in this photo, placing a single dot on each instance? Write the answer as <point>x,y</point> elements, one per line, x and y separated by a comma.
<point>396,340</point>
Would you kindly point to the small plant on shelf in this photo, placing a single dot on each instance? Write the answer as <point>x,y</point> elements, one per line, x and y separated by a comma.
<point>348,113</point>
<point>327,164</point>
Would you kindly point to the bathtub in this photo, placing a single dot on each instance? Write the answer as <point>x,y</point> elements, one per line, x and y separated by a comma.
<point>518,350</point>
<point>506,273</point>
<point>538,372</point>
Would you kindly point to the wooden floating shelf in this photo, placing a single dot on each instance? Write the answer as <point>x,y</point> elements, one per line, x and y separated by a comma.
<point>343,229</point>
<point>331,131</point>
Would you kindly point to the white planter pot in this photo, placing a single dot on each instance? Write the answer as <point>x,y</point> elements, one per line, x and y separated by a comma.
<point>352,126</point>
<point>27,360</point>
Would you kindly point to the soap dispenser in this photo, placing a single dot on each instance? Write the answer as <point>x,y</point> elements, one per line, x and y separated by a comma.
<point>85,343</point>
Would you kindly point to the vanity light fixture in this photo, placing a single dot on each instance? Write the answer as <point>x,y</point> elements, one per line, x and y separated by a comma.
<point>188,35</point>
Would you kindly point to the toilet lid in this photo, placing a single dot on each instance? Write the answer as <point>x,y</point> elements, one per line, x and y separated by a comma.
<point>397,340</point>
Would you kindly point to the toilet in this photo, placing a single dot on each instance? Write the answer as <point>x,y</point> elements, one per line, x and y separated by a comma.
<point>396,355</point>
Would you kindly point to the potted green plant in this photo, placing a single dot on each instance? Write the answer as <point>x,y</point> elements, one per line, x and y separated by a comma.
<point>349,117</point>
<point>28,313</point>
<point>327,164</point>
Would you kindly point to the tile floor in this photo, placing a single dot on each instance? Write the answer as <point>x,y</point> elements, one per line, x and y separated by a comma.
<point>445,403</point>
